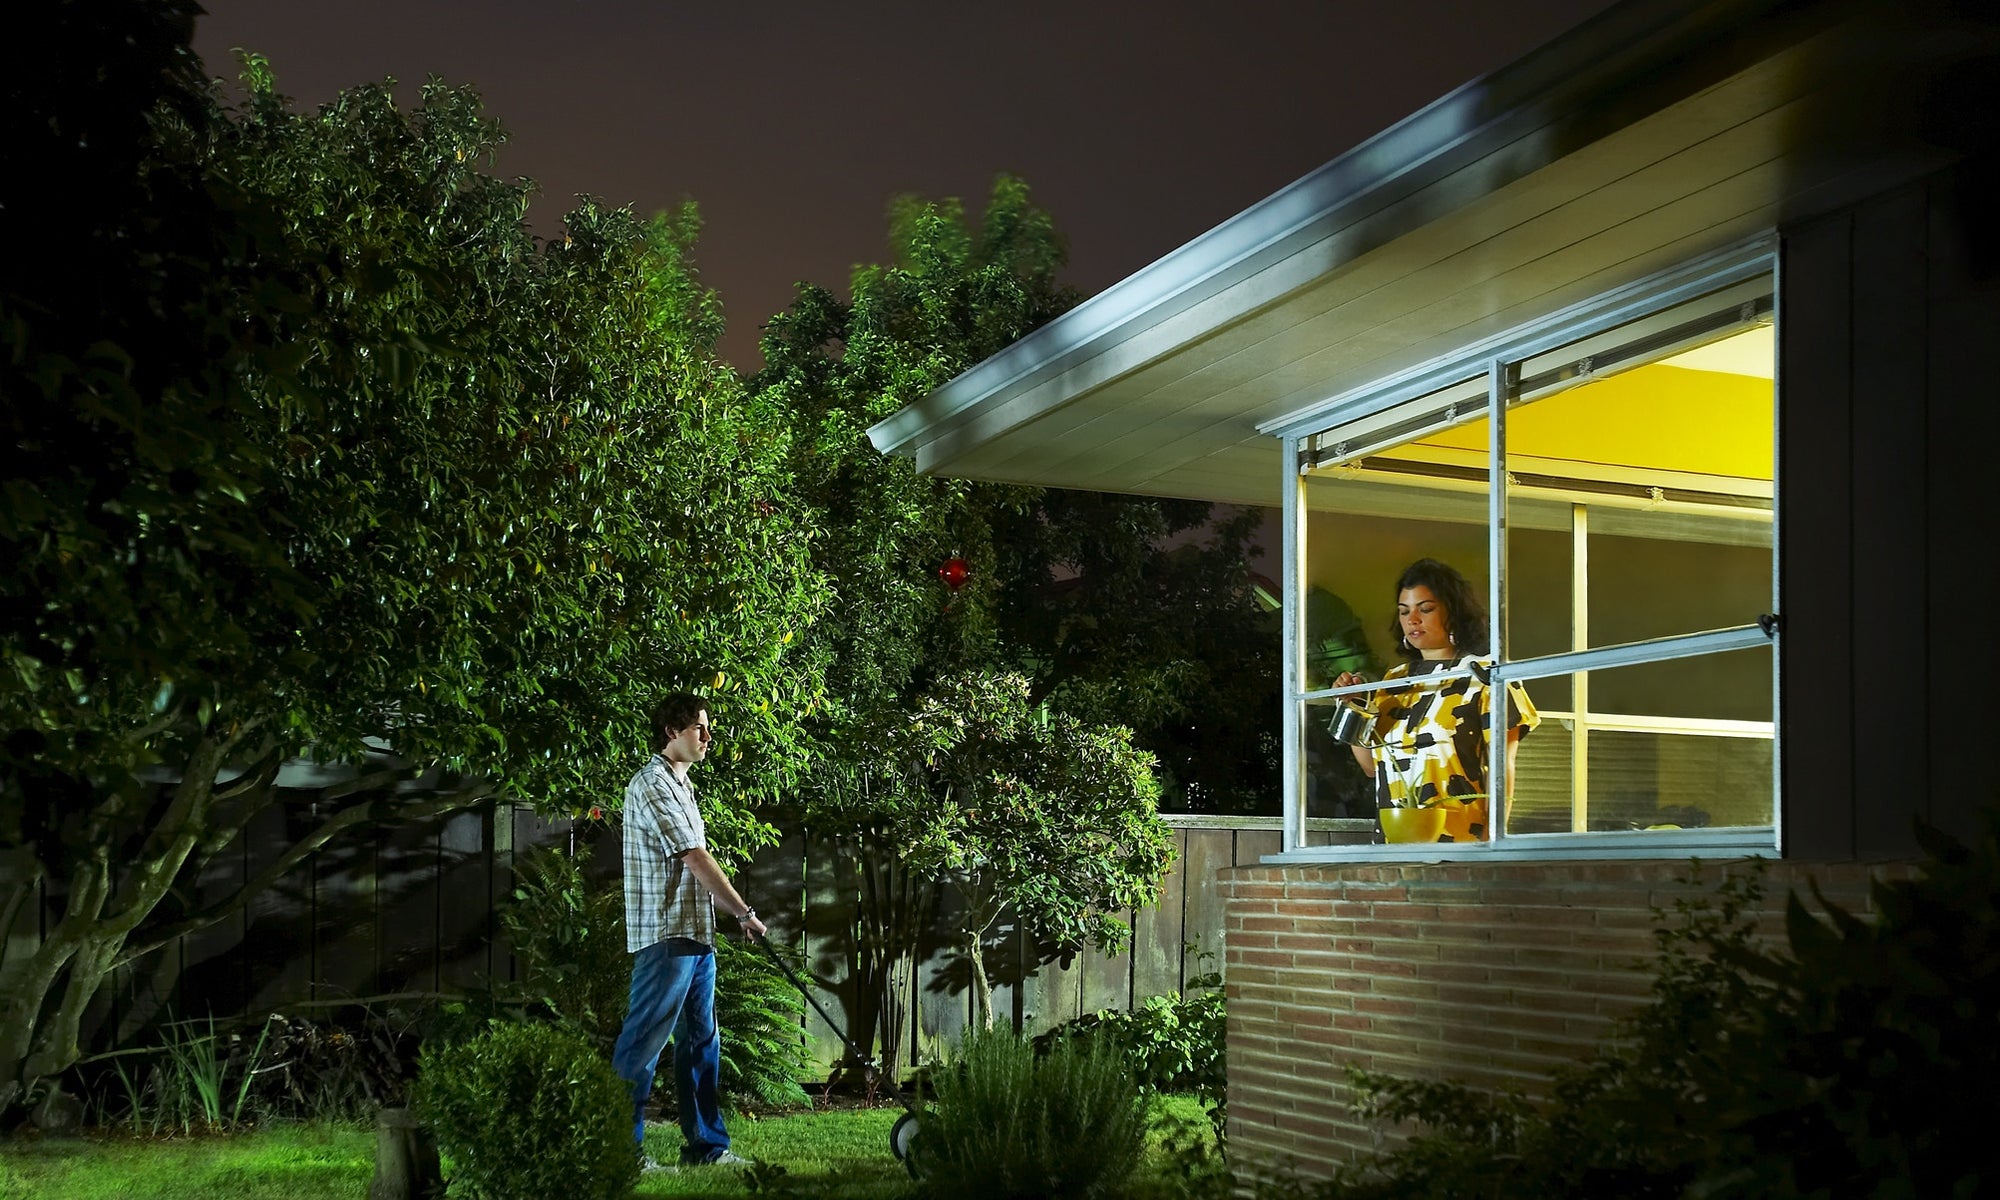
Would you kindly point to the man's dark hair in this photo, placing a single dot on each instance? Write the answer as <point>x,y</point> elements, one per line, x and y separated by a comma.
<point>1464,615</point>
<point>673,714</point>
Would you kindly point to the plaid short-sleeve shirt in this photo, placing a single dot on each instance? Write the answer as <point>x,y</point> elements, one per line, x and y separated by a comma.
<point>663,898</point>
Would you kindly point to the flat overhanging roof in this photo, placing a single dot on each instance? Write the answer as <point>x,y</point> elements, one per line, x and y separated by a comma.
<point>1658,131</point>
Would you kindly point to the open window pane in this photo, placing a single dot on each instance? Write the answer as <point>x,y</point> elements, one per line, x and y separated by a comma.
<point>1339,796</point>
<point>1639,479</point>
<point>1408,483</point>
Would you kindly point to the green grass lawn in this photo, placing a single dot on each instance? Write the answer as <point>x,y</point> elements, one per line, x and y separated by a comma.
<point>306,1162</point>
<point>840,1155</point>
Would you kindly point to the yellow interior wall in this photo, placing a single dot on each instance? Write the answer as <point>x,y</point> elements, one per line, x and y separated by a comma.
<point>1656,416</point>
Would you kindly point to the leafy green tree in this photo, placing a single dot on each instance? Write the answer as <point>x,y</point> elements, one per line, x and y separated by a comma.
<point>1021,809</point>
<point>1079,594</point>
<point>326,456</point>
<point>1125,609</point>
<point>1142,612</point>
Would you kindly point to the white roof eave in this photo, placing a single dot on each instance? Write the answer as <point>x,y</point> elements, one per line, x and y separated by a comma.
<point>1619,46</point>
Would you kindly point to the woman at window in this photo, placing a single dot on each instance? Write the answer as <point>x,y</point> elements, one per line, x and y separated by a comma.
<point>1429,744</point>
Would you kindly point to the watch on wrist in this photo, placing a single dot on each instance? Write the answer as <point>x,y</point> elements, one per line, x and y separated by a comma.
<point>748,912</point>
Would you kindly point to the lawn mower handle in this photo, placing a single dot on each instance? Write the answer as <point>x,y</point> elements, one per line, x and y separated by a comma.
<point>867,1063</point>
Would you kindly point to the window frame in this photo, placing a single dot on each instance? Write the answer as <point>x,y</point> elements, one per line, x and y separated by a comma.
<point>1498,359</point>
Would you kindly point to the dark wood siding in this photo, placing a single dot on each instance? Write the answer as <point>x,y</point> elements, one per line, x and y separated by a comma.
<point>1887,575</point>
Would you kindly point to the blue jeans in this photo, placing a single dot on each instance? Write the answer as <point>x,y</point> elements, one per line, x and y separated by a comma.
<point>673,995</point>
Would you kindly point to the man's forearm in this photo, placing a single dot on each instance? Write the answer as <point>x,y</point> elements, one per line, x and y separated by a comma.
<point>709,872</point>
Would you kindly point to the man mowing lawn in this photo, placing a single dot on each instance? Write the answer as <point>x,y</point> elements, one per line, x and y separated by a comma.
<point>672,884</point>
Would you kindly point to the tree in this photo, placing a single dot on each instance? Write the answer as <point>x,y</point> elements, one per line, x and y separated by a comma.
<point>1079,594</point>
<point>1142,612</point>
<point>1135,610</point>
<point>1024,810</point>
<point>348,465</point>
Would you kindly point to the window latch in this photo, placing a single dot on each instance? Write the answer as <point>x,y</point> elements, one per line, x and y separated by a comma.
<point>1771,623</point>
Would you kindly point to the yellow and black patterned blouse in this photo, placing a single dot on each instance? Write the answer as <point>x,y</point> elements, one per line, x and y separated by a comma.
<point>1432,744</point>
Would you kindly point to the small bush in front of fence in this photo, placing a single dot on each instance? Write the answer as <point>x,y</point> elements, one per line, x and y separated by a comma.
<point>1171,1043</point>
<point>568,934</point>
<point>1007,1123</point>
<point>529,1109</point>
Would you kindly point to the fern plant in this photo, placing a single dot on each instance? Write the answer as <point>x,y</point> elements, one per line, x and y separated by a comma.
<point>569,934</point>
<point>761,1016</point>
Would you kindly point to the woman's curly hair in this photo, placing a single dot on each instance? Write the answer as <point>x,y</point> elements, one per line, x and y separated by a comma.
<point>1465,616</point>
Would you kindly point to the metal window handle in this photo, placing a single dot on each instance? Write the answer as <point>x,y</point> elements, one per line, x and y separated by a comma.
<point>1771,623</point>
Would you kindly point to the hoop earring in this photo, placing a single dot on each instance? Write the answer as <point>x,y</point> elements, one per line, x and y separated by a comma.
<point>1406,641</point>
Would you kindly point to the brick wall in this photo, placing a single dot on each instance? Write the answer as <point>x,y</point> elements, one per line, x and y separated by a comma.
<point>1491,974</point>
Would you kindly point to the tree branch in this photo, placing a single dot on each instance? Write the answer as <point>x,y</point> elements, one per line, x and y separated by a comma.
<point>19,896</point>
<point>368,810</point>
<point>260,775</point>
<point>231,808</point>
<point>373,781</point>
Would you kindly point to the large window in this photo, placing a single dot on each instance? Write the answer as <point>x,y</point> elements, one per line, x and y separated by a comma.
<point>1604,483</point>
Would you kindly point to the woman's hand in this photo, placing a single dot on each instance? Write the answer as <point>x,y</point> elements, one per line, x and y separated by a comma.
<point>1348,679</point>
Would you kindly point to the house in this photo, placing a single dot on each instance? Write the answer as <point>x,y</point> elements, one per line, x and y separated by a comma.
<point>1671,336</point>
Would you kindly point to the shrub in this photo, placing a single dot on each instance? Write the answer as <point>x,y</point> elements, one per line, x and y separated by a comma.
<point>569,936</point>
<point>1822,1069</point>
<point>1007,1123</point>
<point>527,1111</point>
<point>1172,1043</point>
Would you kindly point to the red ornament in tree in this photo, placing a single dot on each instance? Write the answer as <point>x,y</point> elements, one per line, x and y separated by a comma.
<point>954,572</point>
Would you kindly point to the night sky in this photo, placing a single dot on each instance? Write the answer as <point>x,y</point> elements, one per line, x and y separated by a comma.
<point>1137,125</point>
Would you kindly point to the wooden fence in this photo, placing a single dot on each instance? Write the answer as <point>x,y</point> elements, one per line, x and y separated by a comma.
<point>411,911</point>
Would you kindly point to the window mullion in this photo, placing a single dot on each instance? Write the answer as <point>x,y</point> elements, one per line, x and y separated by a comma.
<point>1499,389</point>
<point>1579,641</point>
<point>1291,588</point>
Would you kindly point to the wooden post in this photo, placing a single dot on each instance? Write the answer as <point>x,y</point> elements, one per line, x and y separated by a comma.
<point>406,1158</point>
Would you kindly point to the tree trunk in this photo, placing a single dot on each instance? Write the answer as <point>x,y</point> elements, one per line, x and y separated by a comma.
<point>43,997</point>
<point>106,902</point>
<point>37,1038</point>
<point>982,988</point>
<point>406,1158</point>
<point>894,907</point>
<point>981,908</point>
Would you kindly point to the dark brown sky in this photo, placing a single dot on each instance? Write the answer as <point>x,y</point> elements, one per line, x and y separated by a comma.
<point>1138,125</point>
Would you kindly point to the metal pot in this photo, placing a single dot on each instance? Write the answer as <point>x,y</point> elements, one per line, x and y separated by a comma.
<point>1352,724</point>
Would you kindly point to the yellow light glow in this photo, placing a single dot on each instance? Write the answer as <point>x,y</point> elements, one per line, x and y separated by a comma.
<point>1706,411</point>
